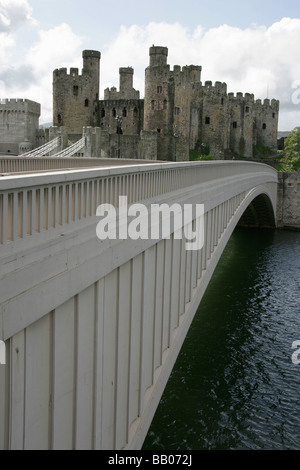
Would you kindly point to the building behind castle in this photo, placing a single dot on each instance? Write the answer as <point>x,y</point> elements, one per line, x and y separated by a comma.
<point>178,114</point>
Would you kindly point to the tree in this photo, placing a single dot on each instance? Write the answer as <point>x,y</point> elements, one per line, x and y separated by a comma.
<point>291,150</point>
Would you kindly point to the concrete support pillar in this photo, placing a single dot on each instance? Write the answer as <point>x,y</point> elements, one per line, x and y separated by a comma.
<point>88,150</point>
<point>97,142</point>
<point>54,132</point>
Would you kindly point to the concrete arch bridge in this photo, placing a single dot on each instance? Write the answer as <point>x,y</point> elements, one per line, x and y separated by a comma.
<point>92,327</point>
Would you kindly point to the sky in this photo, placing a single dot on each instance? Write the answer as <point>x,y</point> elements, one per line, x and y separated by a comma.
<point>252,45</point>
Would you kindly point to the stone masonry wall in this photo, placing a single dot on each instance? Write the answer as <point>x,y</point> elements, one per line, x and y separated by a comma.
<point>185,114</point>
<point>131,111</point>
<point>288,207</point>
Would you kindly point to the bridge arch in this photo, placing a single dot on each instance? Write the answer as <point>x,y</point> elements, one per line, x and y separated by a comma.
<point>259,214</point>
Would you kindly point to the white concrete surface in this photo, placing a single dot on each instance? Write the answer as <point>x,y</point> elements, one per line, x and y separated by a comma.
<point>93,328</point>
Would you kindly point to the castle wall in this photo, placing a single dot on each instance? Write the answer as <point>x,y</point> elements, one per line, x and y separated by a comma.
<point>102,144</point>
<point>288,205</point>
<point>148,145</point>
<point>131,111</point>
<point>19,122</point>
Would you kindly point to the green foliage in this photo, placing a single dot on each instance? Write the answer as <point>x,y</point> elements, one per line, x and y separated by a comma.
<point>262,152</point>
<point>201,148</point>
<point>242,146</point>
<point>291,150</point>
<point>280,167</point>
<point>196,156</point>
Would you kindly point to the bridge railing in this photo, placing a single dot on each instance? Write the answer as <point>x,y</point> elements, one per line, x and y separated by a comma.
<point>33,204</point>
<point>73,149</point>
<point>44,149</point>
<point>18,164</point>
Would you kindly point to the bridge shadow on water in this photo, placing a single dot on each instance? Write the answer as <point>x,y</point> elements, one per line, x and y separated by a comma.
<point>233,385</point>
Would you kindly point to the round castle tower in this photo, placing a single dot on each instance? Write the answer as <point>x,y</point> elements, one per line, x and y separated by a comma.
<point>75,95</point>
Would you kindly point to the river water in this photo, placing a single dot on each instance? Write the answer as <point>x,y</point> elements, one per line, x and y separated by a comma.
<point>234,384</point>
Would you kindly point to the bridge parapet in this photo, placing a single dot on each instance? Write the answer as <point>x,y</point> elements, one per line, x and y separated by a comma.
<point>34,203</point>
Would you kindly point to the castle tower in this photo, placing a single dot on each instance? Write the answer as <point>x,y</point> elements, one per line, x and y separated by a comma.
<point>266,116</point>
<point>126,81</point>
<point>75,96</point>
<point>19,123</point>
<point>241,123</point>
<point>159,101</point>
<point>125,103</point>
<point>186,82</point>
<point>158,56</point>
<point>211,104</point>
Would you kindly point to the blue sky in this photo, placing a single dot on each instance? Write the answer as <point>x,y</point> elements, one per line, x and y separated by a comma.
<point>102,19</point>
<point>251,45</point>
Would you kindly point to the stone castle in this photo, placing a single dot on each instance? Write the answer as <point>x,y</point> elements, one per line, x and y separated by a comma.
<point>178,113</point>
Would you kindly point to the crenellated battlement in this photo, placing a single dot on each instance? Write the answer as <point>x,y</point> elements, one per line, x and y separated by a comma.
<point>247,97</point>
<point>62,73</point>
<point>19,105</point>
<point>218,87</point>
<point>90,62</point>
<point>267,103</point>
<point>15,100</point>
<point>74,71</point>
<point>188,73</point>
<point>158,56</point>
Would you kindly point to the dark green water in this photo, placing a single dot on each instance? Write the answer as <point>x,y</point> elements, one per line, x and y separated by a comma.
<point>234,385</point>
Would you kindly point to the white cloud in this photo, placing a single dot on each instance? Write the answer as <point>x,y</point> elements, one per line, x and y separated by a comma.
<point>14,13</point>
<point>7,42</point>
<point>57,47</point>
<point>32,79</point>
